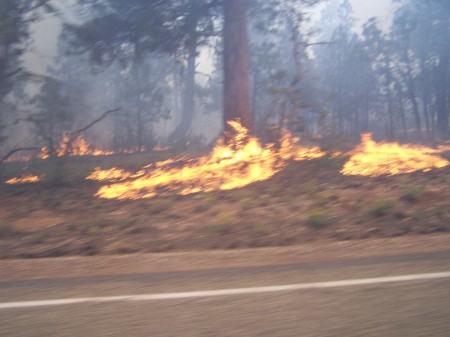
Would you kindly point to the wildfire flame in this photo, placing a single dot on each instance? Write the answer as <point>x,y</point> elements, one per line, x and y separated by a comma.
<point>375,159</point>
<point>77,147</point>
<point>290,150</point>
<point>24,179</point>
<point>159,148</point>
<point>113,174</point>
<point>241,162</point>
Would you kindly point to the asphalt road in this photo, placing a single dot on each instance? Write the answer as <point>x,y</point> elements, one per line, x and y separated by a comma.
<point>416,307</point>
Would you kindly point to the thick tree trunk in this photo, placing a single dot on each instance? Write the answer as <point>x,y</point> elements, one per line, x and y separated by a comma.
<point>236,65</point>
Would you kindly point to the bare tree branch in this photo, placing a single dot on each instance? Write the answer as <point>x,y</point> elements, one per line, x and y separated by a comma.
<point>103,116</point>
<point>74,134</point>
<point>10,153</point>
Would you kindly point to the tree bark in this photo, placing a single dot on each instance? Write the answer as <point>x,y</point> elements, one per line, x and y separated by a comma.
<point>236,65</point>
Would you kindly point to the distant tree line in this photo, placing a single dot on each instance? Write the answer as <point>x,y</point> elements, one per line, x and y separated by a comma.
<point>142,57</point>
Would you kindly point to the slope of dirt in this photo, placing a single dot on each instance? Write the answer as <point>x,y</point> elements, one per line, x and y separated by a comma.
<point>309,201</point>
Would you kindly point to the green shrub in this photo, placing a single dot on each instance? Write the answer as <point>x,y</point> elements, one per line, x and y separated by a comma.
<point>95,226</point>
<point>246,203</point>
<point>411,193</point>
<point>381,208</point>
<point>261,228</point>
<point>222,224</point>
<point>206,204</point>
<point>158,206</point>
<point>317,218</point>
<point>6,229</point>
<point>322,198</point>
<point>265,200</point>
<point>38,237</point>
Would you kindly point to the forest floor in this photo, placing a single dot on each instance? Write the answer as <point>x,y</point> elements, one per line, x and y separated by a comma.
<point>309,201</point>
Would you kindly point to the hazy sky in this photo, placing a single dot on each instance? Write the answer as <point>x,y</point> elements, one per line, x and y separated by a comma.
<point>46,33</point>
<point>365,9</point>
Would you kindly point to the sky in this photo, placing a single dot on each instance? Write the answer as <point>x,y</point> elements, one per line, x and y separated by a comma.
<point>365,9</point>
<point>45,33</point>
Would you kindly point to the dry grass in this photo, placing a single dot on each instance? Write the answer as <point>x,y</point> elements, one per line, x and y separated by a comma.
<point>308,201</point>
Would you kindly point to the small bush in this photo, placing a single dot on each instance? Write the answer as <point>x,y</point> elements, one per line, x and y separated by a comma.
<point>297,222</point>
<point>265,200</point>
<point>6,229</point>
<point>261,228</point>
<point>95,226</point>
<point>158,206</point>
<point>317,218</point>
<point>246,203</point>
<point>222,224</point>
<point>38,237</point>
<point>206,204</point>
<point>72,227</point>
<point>329,161</point>
<point>136,230</point>
<point>311,186</point>
<point>322,198</point>
<point>411,194</point>
<point>381,208</point>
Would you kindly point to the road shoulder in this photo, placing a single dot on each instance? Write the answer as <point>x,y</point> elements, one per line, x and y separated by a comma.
<point>66,267</point>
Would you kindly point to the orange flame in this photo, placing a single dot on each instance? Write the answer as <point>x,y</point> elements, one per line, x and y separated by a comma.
<point>24,179</point>
<point>78,147</point>
<point>159,148</point>
<point>238,164</point>
<point>289,149</point>
<point>375,159</point>
<point>113,174</point>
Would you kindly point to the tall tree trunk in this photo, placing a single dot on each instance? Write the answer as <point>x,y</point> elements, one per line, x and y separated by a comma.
<point>415,105</point>
<point>412,96</point>
<point>188,104</point>
<point>402,113</point>
<point>425,94</point>
<point>139,128</point>
<point>390,113</point>
<point>236,65</point>
<point>442,97</point>
<point>390,105</point>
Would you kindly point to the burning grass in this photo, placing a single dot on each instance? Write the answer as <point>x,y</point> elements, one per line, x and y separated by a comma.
<point>306,200</point>
<point>76,147</point>
<point>245,161</point>
<point>229,166</point>
<point>24,179</point>
<point>375,159</point>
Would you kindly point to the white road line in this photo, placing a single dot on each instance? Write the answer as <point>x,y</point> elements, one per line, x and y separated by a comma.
<point>226,292</point>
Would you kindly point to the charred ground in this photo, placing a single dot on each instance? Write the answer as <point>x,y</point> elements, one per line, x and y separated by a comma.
<point>308,201</point>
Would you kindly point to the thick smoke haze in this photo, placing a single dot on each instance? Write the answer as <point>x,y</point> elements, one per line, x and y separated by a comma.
<point>331,70</point>
<point>46,32</point>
